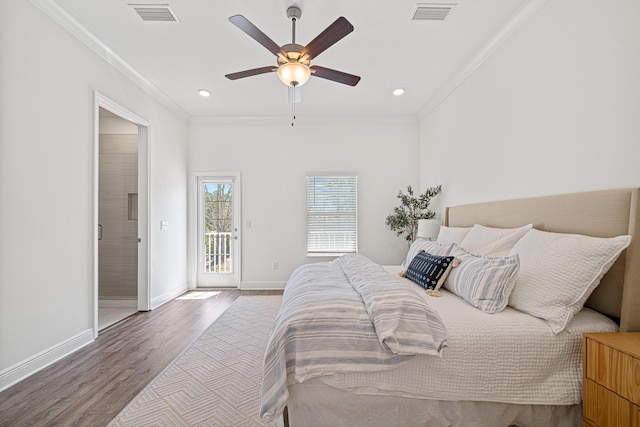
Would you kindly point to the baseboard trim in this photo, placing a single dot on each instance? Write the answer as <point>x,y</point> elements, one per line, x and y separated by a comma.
<point>168,296</point>
<point>264,286</point>
<point>21,370</point>
<point>118,303</point>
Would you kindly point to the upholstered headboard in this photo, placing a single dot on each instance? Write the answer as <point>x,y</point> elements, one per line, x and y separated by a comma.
<point>606,213</point>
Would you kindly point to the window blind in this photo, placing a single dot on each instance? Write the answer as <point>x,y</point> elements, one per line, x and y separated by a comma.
<point>332,215</point>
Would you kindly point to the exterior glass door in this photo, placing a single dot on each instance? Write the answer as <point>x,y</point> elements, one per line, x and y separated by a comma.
<point>218,254</point>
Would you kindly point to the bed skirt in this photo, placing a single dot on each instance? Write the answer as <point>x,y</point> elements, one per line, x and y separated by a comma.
<point>315,405</point>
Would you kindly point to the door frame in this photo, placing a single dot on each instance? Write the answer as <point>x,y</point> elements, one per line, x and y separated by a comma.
<point>194,227</point>
<point>144,201</point>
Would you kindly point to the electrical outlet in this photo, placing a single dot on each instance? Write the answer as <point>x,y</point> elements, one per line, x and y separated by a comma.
<point>275,265</point>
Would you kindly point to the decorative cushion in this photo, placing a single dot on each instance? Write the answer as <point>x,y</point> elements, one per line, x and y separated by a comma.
<point>449,235</point>
<point>492,241</point>
<point>559,271</point>
<point>430,271</point>
<point>434,248</point>
<point>484,282</point>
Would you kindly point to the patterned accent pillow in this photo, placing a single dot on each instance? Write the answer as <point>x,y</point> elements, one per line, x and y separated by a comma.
<point>429,246</point>
<point>430,271</point>
<point>484,282</point>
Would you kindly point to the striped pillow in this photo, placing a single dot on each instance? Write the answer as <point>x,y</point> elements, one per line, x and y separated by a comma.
<point>484,282</point>
<point>429,271</point>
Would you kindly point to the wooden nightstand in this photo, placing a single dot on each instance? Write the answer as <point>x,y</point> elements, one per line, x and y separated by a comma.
<point>611,395</point>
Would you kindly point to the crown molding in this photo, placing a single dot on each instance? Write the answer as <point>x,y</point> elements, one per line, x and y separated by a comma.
<point>517,21</point>
<point>79,31</point>
<point>303,120</point>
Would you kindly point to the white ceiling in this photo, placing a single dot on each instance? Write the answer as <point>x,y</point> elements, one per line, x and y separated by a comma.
<point>386,49</point>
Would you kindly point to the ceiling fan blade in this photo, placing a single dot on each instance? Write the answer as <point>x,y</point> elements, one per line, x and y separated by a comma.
<point>254,32</point>
<point>336,76</point>
<point>249,73</point>
<point>331,35</point>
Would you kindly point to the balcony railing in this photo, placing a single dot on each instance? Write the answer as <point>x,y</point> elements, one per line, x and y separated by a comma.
<point>217,253</point>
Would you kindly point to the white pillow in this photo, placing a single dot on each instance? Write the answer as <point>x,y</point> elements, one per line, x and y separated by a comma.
<point>492,241</point>
<point>429,246</point>
<point>449,235</point>
<point>484,282</point>
<point>559,271</point>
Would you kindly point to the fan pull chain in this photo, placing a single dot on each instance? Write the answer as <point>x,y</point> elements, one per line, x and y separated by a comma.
<point>293,41</point>
<point>293,105</point>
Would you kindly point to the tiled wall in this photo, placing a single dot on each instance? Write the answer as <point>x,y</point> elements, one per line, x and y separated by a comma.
<point>118,248</point>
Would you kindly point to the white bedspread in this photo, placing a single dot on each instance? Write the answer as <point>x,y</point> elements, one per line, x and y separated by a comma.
<point>506,357</point>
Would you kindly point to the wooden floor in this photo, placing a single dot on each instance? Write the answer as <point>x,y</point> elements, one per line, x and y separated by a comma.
<point>91,386</point>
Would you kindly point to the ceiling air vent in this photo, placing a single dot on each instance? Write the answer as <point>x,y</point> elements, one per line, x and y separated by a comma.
<point>155,12</point>
<point>432,12</point>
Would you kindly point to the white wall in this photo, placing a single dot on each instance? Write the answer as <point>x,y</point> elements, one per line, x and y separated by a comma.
<point>47,82</point>
<point>274,158</point>
<point>555,109</point>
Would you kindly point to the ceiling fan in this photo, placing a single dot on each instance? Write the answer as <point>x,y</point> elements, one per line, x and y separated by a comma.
<point>294,60</point>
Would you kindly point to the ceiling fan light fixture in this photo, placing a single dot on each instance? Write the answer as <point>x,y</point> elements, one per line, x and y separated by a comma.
<point>294,73</point>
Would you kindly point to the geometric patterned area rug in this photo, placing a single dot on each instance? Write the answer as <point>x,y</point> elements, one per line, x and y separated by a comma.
<point>216,380</point>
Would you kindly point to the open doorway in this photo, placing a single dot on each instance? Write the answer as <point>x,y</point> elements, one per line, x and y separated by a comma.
<point>120,258</point>
<point>117,219</point>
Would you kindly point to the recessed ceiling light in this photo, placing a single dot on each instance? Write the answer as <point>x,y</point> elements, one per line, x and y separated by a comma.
<point>398,92</point>
<point>204,92</point>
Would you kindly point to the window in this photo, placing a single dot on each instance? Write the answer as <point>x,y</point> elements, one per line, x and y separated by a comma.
<point>332,215</point>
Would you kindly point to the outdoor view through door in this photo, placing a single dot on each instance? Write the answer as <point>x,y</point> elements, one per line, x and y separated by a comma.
<point>218,233</point>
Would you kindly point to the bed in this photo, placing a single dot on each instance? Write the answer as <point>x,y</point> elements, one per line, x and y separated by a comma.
<point>477,364</point>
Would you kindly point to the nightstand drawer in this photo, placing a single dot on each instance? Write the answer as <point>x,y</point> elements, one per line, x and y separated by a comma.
<point>629,382</point>
<point>603,408</point>
<point>601,364</point>
<point>613,369</point>
<point>611,387</point>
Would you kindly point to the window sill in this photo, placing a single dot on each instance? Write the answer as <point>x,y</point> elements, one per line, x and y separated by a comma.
<point>327,255</point>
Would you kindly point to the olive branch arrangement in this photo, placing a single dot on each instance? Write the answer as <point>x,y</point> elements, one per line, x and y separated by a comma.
<point>404,220</point>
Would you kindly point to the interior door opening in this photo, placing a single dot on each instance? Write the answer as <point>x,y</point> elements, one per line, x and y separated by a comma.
<point>117,219</point>
<point>120,214</point>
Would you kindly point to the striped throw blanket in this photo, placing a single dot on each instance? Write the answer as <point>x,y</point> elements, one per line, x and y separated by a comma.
<point>347,315</point>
